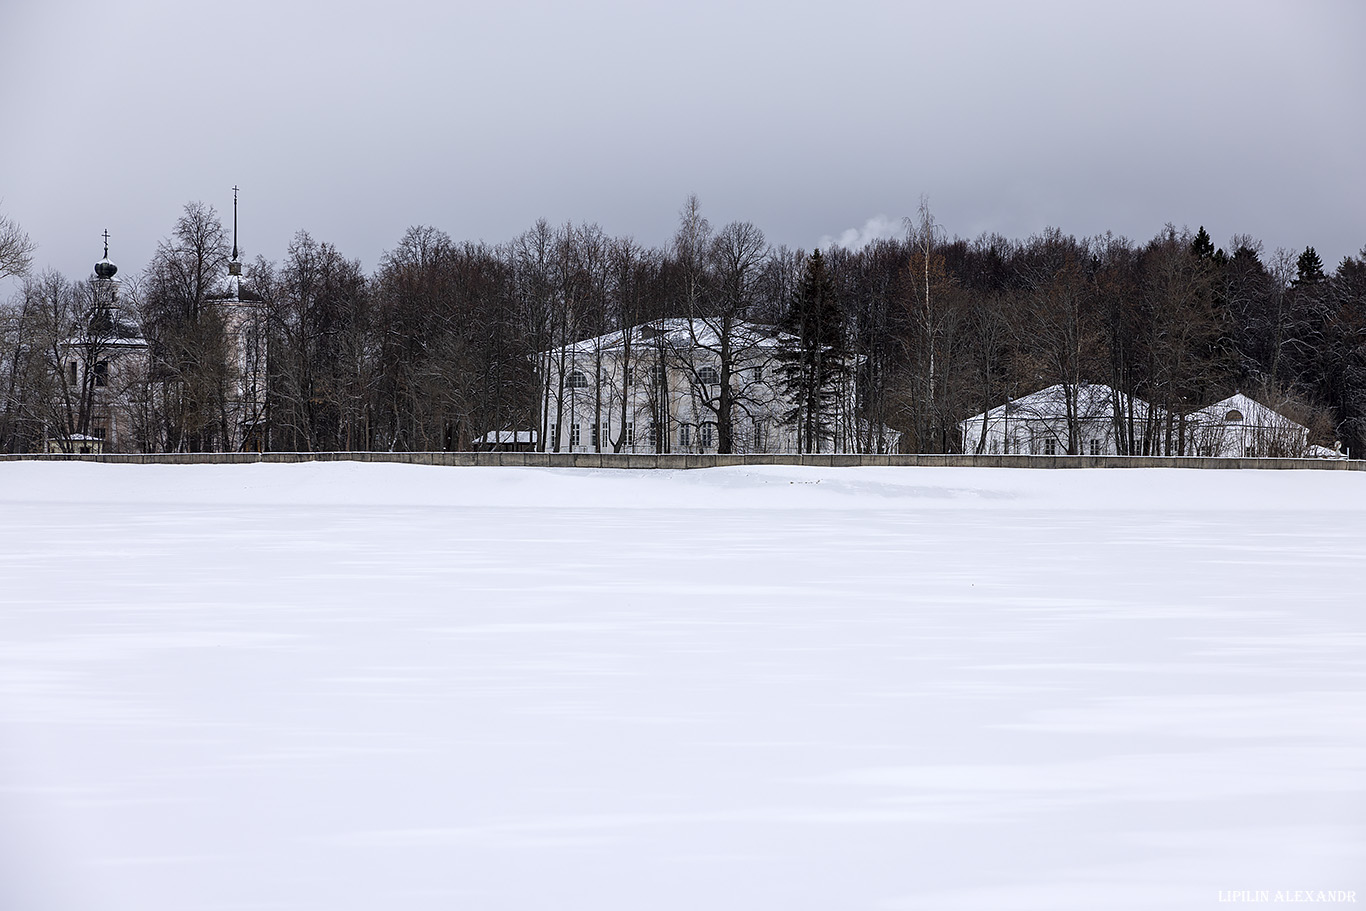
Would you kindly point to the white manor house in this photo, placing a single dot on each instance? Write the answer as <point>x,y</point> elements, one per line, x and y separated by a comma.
<point>668,385</point>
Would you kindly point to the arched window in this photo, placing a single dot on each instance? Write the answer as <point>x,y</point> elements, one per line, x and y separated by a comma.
<point>577,380</point>
<point>707,376</point>
<point>1234,415</point>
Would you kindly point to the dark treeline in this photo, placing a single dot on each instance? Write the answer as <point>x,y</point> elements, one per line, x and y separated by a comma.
<point>445,340</point>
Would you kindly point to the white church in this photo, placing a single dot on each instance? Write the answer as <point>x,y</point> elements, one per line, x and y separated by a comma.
<point>99,386</point>
<point>104,390</point>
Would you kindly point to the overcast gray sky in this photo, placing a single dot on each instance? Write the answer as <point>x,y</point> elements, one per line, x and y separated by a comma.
<point>355,120</point>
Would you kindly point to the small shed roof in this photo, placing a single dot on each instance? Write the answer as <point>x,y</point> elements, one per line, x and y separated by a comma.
<point>507,436</point>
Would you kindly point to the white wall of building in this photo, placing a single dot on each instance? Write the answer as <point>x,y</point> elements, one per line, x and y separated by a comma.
<point>665,389</point>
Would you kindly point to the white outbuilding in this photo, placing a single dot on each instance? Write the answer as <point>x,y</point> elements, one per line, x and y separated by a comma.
<point>1241,427</point>
<point>1064,419</point>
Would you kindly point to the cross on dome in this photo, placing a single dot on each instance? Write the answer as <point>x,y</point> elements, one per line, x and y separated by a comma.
<point>104,268</point>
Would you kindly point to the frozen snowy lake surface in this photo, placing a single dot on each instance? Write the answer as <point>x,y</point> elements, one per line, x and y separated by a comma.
<point>335,687</point>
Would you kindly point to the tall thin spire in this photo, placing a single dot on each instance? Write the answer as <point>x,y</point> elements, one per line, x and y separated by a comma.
<point>234,222</point>
<point>234,267</point>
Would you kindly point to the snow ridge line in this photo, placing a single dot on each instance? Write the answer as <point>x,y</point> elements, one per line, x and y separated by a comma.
<point>712,460</point>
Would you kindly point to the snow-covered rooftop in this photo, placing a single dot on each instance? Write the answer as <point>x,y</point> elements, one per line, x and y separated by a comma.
<point>679,335</point>
<point>1094,401</point>
<point>1248,412</point>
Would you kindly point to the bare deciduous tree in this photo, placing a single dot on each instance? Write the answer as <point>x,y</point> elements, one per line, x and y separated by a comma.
<point>16,249</point>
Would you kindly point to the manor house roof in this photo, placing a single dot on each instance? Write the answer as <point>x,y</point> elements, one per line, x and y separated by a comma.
<point>678,334</point>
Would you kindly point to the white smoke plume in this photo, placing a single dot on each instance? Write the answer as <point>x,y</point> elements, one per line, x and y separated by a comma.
<point>879,227</point>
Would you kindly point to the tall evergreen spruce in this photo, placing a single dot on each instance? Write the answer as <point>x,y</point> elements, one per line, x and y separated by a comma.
<point>1202,247</point>
<point>813,356</point>
<point>1308,268</point>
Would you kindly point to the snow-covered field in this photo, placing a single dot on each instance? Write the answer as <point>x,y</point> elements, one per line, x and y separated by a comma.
<point>336,687</point>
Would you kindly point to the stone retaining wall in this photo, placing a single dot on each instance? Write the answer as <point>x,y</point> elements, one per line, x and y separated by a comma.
<point>611,460</point>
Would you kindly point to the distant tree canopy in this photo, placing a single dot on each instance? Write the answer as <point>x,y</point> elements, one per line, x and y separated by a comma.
<point>446,341</point>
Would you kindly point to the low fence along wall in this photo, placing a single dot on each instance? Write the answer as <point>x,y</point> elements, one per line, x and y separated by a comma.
<point>615,460</point>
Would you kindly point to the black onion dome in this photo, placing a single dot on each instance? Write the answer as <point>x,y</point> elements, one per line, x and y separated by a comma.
<point>105,269</point>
